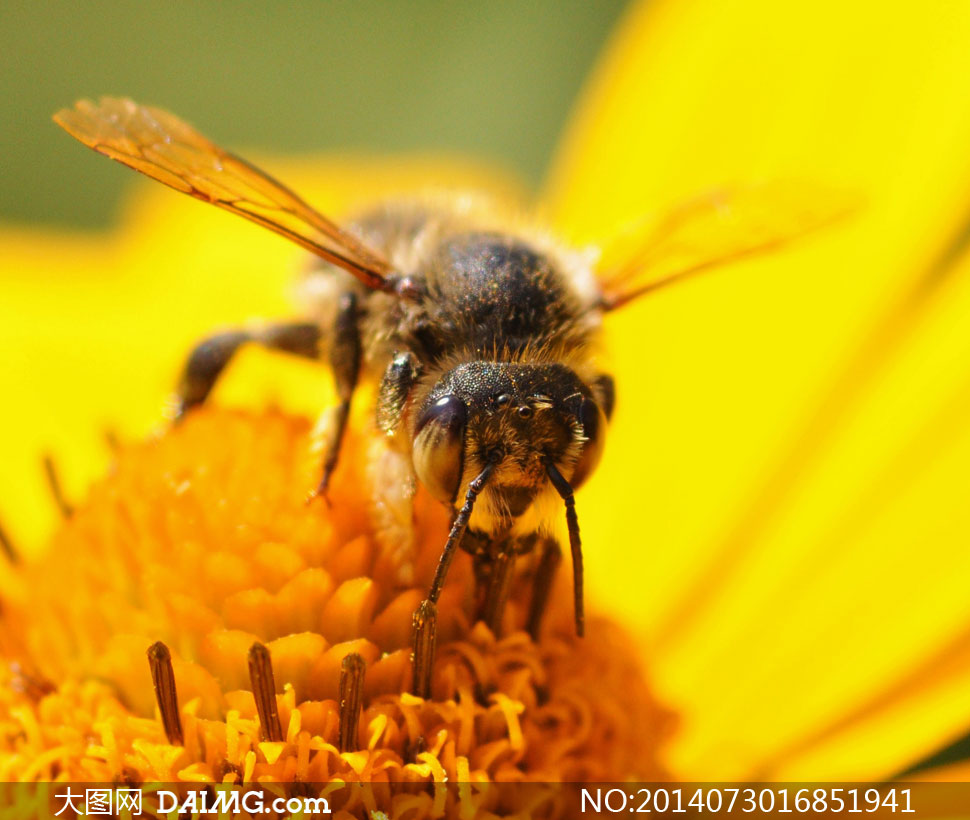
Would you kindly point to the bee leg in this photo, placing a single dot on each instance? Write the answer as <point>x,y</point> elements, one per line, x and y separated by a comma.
<point>399,379</point>
<point>494,565</point>
<point>211,355</point>
<point>497,591</point>
<point>345,356</point>
<point>391,471</point>
<point>542,585</point>
<point>479,547</point>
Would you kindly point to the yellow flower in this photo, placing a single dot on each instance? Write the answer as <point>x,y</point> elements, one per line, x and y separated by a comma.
<point>797,424</point>
<point>780,515</point>
<point>202,540</point>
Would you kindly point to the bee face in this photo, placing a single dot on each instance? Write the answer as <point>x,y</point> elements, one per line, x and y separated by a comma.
<point>519,417</point>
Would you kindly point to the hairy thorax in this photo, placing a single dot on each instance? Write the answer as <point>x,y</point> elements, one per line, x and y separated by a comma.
<point>494,292</point>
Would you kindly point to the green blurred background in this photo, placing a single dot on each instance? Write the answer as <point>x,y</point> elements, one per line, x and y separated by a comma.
<point>494,80</point>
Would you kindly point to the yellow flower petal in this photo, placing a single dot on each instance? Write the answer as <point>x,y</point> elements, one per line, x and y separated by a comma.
<point>732,390</point>
<point>865,583</point>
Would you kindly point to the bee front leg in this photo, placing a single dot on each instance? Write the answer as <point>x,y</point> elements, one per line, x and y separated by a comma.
<point>545,573</point>
<point>392,474</point>
<point>499,584</point>
<point>494,564</point>
<point>345,356</point>
<point>396,385</point>
<point>211,355</point>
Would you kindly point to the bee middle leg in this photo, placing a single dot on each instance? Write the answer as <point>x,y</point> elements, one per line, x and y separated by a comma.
<point>210,357</point>
<point>345,358</point>
<point>497,590</point>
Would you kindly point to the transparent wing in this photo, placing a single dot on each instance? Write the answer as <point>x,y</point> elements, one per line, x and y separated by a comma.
<point>714,229</point>
<point>165,148</point>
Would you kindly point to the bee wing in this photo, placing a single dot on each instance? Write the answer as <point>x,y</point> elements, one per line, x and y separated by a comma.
<point>169,150</point>
<point>714,229</point>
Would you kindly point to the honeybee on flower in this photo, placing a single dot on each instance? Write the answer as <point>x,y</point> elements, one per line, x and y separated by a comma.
<point>804,483</point>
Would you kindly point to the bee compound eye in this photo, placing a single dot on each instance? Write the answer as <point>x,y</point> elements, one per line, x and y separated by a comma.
<point>593,421</point>
<point>439,447</point>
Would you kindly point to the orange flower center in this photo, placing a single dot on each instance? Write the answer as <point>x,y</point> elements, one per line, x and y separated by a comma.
<point>280,637</point>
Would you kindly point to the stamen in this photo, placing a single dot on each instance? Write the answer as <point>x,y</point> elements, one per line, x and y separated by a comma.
<point>264,692</point>
<point>424,625</point>
<point>57,491</point>
<point>8,548</point>
<point>413,748</point>
<point>300,789</point>
<point>112,440</point>
<point>130,777</point>
<point>163,678</point>
<point>225,767</point>
<point>497,594</point>
<point>351,695</point>
<point>545,573</point>
<point>29,684</point>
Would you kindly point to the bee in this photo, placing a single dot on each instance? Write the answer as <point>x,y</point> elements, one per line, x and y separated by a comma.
<point>481,334</point>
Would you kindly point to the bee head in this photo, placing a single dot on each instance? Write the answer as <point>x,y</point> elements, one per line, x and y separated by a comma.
<point>521,418</point>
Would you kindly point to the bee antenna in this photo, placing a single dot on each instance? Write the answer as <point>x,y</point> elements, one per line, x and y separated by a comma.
<point>475,486</point>
<point>575,544</point>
